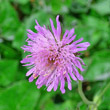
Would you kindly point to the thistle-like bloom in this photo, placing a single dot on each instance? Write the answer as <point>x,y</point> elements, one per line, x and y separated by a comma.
<point>53,58</point>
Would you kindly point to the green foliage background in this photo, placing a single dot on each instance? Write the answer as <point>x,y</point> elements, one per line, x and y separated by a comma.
<point>91,20</point>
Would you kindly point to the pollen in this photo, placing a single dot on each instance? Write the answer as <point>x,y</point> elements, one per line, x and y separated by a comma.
<point>34,76</point>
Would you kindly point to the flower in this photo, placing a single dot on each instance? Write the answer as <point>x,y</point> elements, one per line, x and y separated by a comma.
<point>53,58</point>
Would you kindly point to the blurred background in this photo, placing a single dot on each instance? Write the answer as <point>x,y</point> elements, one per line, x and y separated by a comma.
<point>91,20</point>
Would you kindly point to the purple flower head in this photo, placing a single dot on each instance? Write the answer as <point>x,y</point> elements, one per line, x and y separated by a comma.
<point>53,58</point>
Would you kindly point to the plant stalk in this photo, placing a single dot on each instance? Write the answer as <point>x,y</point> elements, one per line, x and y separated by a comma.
<point>85,100</point>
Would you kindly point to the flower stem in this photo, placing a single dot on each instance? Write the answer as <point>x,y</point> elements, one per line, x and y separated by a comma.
<point>102,93</point>
<point>85,100</point>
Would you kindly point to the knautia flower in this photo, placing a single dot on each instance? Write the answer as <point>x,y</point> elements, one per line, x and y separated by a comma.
<point>53,58</point>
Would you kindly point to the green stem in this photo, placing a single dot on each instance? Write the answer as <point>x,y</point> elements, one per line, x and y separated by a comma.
<point>102,93</point>
<point>85,100</point>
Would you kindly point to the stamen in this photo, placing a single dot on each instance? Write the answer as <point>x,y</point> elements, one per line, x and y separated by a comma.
<point>64,72</point>
<point>35,76</point>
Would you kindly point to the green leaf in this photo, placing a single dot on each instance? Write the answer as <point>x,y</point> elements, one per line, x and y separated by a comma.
<point>99,69</point>
<point>89,34</point>
<point>42,18</point>
<point>95,22</point>
<point>104,101</point>
<point>77,8</point>
<point>8,69</point>
<point>69,22</point>
<point>66,105</point>
<point>22,2</point>
<point>26,9</point>
<point>93,30</point>
<point>102,7</point>
<point>84,2</point>
<point>59,6</point>
<point>9,21</point>
<point>19,96</point>
<point>45,97</point>
<point>102,96</point>
<point>56,100</point>
<point>20,37</point>
<point>7,51</point>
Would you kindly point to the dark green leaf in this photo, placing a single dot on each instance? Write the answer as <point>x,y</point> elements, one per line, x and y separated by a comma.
<point>9,21</point>
<point>22,2</point>
<point>8,69</point>
<point>19,96</point>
